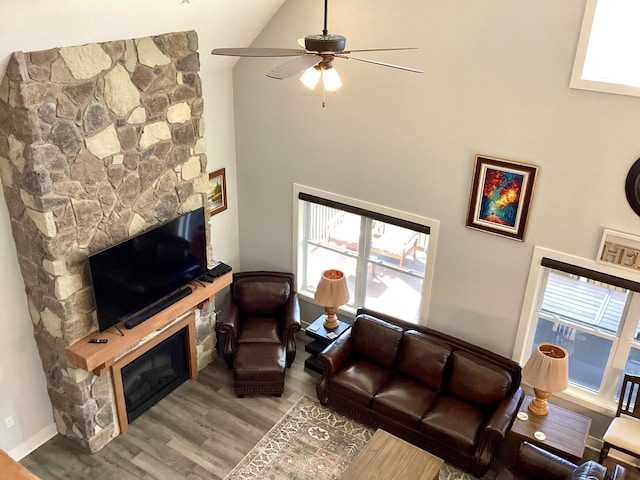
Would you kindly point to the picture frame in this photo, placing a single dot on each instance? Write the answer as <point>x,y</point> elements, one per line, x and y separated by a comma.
<point>217,192</point>
<point>619,249</point>
<point>500,196</point>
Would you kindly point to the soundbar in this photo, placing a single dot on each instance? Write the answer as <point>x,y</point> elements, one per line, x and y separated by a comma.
<point>157,307</point>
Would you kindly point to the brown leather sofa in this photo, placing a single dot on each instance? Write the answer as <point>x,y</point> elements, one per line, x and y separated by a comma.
<point>533,463</point>
<point>451,398</point>
<point>259,320</point>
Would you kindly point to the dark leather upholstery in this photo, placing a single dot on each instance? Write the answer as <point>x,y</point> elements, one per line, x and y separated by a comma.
<point>259,320</point>
<point>533,463</point>
<point>447,396</point>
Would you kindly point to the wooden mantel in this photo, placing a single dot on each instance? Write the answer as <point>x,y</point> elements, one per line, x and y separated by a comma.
<point>99,357</point>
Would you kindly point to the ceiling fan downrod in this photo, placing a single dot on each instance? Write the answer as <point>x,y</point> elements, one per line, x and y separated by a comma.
<point>325,32</point>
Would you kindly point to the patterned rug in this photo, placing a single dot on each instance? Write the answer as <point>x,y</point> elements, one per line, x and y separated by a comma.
<point>311,442</point>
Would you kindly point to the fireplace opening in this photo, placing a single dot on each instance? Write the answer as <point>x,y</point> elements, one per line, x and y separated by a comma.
<point>152,376</point>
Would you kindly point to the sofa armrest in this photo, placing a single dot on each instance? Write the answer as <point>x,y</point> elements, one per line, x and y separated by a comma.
<point>537,463</point>
<point>331,359</point>
<point>291,326</point>
<point>505,412</point>
<point>229,325</point>
<point>497,428</point>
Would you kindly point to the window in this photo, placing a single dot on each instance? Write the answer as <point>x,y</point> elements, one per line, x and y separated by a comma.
<point>608,48</point>
<point>386,255</point>
<point>593,314</point>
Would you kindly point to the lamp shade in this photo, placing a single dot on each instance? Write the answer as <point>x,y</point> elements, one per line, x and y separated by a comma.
<point>548,368</point>
<point>332,290</point>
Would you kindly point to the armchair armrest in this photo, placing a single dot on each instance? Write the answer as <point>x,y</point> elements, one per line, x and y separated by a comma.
<point>331,359</point>
<point>497,427</point>
<point>538,463</point>
<point>291,326</point>
<point>229,326</point>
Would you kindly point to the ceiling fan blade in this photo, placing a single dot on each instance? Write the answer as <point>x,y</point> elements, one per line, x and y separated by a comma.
<point>399,67</point>
<point>258,52</point>
<point>378,50</point>
<point>294,66</point>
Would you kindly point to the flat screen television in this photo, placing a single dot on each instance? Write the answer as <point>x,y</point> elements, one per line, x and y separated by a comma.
<point>132,275</point>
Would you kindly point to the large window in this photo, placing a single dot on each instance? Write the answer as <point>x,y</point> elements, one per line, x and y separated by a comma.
<point>593,314</point>
<point>386,255</point>
<point>608,48</point>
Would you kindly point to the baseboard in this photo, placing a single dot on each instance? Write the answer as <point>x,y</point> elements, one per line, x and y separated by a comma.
<point>33,442</point>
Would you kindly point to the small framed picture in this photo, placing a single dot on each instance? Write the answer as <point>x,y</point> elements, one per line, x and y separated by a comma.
<point>217,195</point>
<point>500,198</point>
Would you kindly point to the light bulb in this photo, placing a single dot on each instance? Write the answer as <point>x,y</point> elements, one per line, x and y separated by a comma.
<point>310,77</point>
<point>331,80</point>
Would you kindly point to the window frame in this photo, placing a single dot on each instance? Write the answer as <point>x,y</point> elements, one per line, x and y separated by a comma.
<point>527,326</point>
<point>577,81</point>
<point>298,241</point>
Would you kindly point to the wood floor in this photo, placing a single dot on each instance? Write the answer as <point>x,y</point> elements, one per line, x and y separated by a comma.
<point>199,431</point>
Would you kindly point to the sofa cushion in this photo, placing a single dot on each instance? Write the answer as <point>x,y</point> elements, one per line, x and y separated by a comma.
<point>477,381</point>
<point>423,359</point>
<point>359,381</point>
<point>454,422</point>
<point>404,400</point>
<point>376,340</point>
<point>588,471</point>
<point>261,297</point>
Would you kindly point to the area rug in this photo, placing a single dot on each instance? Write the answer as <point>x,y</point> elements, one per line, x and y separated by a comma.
<point>311,442</point>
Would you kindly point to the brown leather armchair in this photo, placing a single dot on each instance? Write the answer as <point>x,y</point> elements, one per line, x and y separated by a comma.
<point>533,463</point>
<point>260,319</point>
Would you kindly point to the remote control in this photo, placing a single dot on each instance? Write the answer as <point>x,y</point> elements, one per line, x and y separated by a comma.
<point>98,340</point>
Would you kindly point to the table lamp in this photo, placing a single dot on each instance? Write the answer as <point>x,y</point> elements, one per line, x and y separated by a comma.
<point>332,292</point>
<point>547,371</point>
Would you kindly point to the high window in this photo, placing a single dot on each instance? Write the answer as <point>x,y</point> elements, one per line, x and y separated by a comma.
<point>593,314</point>
<point>386,255</point>
<point>608,48</point>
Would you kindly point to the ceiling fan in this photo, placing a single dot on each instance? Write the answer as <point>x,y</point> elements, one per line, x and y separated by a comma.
<point>316,60</point>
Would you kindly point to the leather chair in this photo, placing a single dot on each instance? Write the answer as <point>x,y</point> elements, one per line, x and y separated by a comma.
<point>260,319</point>
<point>534,463</point>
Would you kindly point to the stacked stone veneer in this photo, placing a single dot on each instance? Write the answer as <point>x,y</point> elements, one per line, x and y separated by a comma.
<point>97,143</point>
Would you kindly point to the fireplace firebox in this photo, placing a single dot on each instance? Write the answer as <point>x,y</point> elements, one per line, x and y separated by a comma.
<point>152,376</point>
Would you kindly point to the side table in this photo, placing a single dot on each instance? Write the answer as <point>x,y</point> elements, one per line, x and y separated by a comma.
<point>321,338</point>
<point>565,432</point>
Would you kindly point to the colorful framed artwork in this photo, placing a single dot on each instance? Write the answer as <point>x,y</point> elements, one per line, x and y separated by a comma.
<point>500,198</point>
<point>217,195</point>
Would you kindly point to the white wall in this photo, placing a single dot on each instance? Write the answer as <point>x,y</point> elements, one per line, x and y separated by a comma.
<point>496,83</point>
<point>40,24</point>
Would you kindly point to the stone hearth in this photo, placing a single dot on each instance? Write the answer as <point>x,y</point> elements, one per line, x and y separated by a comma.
<point>97,143</point>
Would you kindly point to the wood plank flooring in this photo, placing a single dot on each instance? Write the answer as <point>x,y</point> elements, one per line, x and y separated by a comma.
<point>199,431</point>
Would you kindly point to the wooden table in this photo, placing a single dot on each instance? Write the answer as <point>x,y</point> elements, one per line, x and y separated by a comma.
<point>566,431</point>
<point>389,457</point>
<point>10,469</point>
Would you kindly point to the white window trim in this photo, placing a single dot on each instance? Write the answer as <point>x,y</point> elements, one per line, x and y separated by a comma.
<point>581,54</point>
<point>531,300</point>
<point>434,226</point>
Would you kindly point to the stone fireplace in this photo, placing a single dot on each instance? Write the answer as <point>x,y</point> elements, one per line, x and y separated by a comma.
<point>97,143</point>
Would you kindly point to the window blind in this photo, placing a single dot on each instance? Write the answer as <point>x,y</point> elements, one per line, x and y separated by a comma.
<point>592,274</point>
<point>364,212</point>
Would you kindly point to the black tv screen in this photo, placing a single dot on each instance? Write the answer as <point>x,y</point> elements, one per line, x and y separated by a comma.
<point>133,274</point>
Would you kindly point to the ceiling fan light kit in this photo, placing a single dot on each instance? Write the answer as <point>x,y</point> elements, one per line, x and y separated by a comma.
<point>315,61</point>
